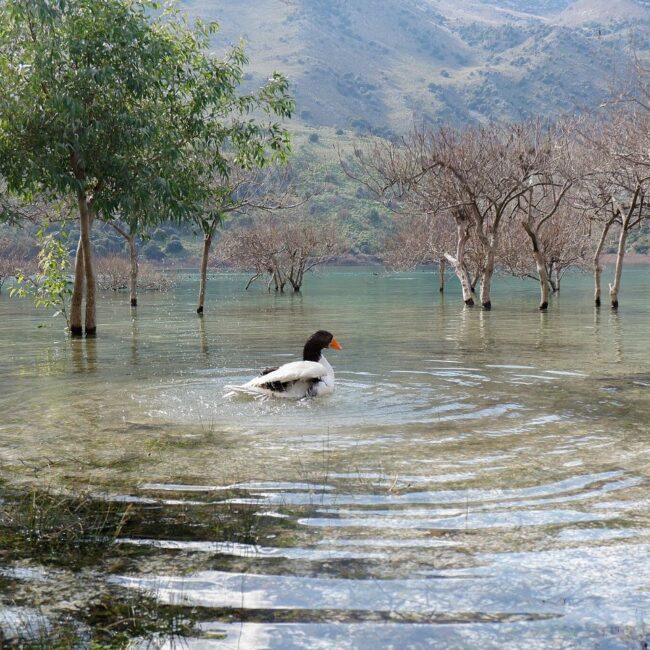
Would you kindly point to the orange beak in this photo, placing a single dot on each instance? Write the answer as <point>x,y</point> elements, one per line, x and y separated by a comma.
<point>335,344</point>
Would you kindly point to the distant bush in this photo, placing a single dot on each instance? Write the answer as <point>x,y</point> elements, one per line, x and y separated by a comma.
<point>314,137</point>
<point>114,274</point>
<point>153,252</point>
<point>159,235</point>
<point>174,247</point>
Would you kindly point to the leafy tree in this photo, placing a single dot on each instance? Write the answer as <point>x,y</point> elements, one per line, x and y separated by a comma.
<point>118,104</point>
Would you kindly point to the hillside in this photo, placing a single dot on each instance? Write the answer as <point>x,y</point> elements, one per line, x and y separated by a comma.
<point>371,65</point>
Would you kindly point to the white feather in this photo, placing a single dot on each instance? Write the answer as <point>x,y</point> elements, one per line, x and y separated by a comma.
<point>300,373</point>
<point>294,371</point>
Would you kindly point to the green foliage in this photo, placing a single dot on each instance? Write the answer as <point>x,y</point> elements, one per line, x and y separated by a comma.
<point>51,286</point>
<point>120,101</point>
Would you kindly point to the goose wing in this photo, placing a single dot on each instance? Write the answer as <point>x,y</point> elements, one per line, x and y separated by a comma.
<point>290,372</point>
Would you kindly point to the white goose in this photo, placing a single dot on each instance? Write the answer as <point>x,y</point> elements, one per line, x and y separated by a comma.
<point>311,377</point>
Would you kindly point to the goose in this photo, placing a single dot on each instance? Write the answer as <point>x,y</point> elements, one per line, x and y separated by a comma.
<point>311,377</point>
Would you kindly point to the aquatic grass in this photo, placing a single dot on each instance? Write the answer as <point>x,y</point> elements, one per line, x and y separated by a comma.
<point>59,528</point>
<point>116,619</point>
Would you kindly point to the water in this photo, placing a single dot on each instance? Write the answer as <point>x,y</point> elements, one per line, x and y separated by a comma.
<point>478,479</point>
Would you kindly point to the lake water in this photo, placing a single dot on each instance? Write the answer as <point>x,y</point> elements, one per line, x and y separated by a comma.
<point>478,479</point>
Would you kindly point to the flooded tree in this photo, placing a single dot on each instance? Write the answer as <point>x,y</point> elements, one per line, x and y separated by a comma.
<point>280,249</point>
<point>265,190</point>
<point>615,194</point>
<point>134,115</point>
<point>545,153</point>
<point>471,175</point>
<point>564,240</point>
<point>398,174</point>
<point>130,233</point>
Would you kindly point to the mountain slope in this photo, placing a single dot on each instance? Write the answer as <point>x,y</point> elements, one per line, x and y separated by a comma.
<point>375,65</point>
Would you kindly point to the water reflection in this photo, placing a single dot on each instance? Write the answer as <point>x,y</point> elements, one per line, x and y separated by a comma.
<point>203,337</point>
<point>135,336</point>
<point>84,355</point>
<point>617,335</point>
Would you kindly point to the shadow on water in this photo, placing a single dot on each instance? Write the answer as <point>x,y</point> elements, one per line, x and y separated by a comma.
<point>479,479</point>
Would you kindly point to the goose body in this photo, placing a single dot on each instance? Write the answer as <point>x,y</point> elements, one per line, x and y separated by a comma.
<point>311,377</point>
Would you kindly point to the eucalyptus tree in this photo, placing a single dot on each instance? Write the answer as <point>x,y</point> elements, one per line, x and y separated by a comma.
<point>119,104</point>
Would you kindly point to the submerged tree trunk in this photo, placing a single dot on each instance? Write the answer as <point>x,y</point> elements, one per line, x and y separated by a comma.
<point>458,263</point>
<point>76,322</point>
<point>486,280</point>
<point>543,280</point>
<point>441,270</point>
<point>89,271</point>
<point>540,263</point>
<point>207,243</point>
<point>596,262</point>
<point>133,255</point>
<point>615,286</point>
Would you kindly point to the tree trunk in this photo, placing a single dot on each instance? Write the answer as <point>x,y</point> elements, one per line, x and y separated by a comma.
<point>540,263</point>
<point>615,286</point>
<point>76,323</point>
<point>441,270</point>
<point>133,254</point>
<point>543,279</point>
<point>596,263</point>
<point>458,263</point>
<point>486,280</point>
<point>207,242</point>
<point>89,271</point>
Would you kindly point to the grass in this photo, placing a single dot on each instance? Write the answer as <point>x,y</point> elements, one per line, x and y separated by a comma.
<point>69,541</point>
<point>59,528</point>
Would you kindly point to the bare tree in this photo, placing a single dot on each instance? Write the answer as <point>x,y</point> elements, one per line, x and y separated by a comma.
<point>16,257</point>
<point>616,194</point>
<point>547,152</point>
<point>564,240</point>
<point>402,175</point>
<point>280,249</point>
<point>116,274</point>
<point>474,177</point>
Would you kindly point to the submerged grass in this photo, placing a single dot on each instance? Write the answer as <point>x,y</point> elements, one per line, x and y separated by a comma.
<point>58,549</point>
<point>56,528</point>
<point>114,620</point>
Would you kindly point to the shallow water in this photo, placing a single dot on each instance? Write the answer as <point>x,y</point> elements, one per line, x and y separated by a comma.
<point>479,479</point>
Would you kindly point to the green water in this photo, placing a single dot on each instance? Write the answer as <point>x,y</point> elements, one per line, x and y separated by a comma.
<point>478,479</point>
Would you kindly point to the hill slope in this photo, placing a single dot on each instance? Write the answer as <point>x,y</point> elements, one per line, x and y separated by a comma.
<point>368,64</point>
